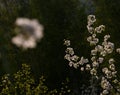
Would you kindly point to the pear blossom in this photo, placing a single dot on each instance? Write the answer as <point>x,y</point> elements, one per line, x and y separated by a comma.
<point>67,42</point>
<point>93,52</point>
<point>91,19</point>
<point>111,61</point>
<point>82,68</point>
<point>95,64</point>
<point>68,57</point>
<point>74,58</point>
<point>99,52</point>
<point>118,50</point>
<point>100,29</point>
<point>93,72</point>
<point>70,51</point>
<point>88,67</point>
<point>93,58</point>
<point>100,59</point>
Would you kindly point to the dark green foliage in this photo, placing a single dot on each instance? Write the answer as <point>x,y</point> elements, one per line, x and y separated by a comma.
<point>23,83</point>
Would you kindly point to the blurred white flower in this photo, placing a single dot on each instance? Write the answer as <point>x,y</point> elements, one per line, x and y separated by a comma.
<point>20,41</point>
<point>29,32</point>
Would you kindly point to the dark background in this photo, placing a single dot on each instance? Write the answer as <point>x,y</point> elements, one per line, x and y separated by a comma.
<point>62,19</point>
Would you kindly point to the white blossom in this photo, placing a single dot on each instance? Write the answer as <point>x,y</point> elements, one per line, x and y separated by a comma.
<point>111,61</point>
<point>109,47</point>
<point>105,92</point>
<point>112,67</point>
<point>90,29</point>
<point>30,27</point>
<point>92,43</point>
<point>24,43</point>
<point>105,84</point>
<point>93,52</point>
<point>118,50</point>
<point>82,61</point>
<point>106,37</point>
<point>100,59</point>
<point>91,18</point>
<point>99,48</point>
<point>88,67</point>
<point>75,65</point>
<point>105,69</point>
<point>104,43</point>
<point>82,68</point>
<point>96,40</point>
<point>74,58</point>
<point>100,29</point>
<point>89,38</point>
<point>28,33</point>
<point>67,42</point>
<point>68,57</point>
<point>95,64</point>
<point>70,51</point>
<point>114,73</point>
<point>108,74</point>
<point>71,63</point>
<point>93,35</point>
<point>93,58</point>
<point>93,71</point>
<point>103,53</point>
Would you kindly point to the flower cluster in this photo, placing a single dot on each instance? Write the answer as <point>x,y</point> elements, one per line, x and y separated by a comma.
<point>106,86</point>
<point>73,59</point>
<point>23,83</point>
<point>99,51</point>
<point>28,33</point>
